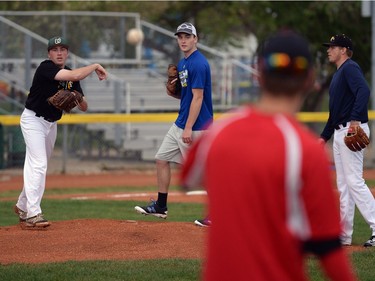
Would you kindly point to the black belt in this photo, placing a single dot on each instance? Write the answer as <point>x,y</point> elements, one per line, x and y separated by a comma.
<point>45,118</point>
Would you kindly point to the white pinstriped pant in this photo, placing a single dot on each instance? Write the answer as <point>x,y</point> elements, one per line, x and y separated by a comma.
<point>40,137</point>
<point>351,185</point>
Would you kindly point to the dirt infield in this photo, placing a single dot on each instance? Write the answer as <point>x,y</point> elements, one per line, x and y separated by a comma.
<point>91,239</point>
<point>101,240</point>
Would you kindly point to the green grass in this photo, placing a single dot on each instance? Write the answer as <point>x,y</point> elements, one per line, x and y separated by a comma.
<point>363,263</point>
<point>154,270</point>
<point>58,210</point>
<point>61,191</point>
<point>171,269</point>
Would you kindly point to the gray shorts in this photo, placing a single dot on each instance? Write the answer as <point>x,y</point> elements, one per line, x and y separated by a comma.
<point>173,149</point>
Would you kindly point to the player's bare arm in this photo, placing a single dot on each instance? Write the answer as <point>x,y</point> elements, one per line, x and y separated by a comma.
<point>195,108</point>
<point>81,73</point>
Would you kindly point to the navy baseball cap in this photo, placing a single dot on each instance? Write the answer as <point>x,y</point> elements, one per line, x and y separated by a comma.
<point>285,52</point>
<point>186,27</point>
<point>57,41</point>
<point>340,40</point>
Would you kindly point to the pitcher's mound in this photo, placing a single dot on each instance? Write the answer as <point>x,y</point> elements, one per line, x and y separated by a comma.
<point>101,239</point>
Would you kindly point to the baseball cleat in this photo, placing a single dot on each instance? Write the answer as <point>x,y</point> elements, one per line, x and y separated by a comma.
<point>204,223</point>
<point>22,215</point>
<point>36,222</point>
<point>152,209</point>
<point>370,242</point>
<point>345,241</point>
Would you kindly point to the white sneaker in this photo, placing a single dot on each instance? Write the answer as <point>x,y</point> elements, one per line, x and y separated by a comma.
<point>153,209</point>
<point>204,223</point>
<point>345,241</point>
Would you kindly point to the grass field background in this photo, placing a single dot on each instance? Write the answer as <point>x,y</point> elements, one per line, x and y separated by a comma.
<point>165,269</point>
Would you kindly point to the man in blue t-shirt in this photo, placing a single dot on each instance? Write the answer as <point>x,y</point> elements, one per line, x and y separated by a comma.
<point>195,115</point>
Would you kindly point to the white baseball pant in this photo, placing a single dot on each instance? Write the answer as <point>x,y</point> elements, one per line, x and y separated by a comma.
<point>351,184</point>
<point>40,137</point>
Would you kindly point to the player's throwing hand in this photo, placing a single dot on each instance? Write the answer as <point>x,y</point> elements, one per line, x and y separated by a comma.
<point>101,72</point>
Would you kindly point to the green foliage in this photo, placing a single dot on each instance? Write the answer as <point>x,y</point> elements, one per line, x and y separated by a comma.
<point>221,22</point>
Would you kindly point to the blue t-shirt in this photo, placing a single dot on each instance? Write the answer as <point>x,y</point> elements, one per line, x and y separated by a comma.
<point>194,73</point>
<point>348,97</point>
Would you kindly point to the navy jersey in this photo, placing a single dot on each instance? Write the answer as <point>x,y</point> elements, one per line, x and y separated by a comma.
<point>194,73</point>
<point>44,86</point>
<point>348,97</point>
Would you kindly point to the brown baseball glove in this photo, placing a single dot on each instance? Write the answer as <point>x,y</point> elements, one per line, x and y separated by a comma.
<point>173,84</point>
<point>356,140</point>
<point>66,100</point>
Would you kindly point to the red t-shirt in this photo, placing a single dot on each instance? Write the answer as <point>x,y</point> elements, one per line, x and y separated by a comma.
<point>269,188</point>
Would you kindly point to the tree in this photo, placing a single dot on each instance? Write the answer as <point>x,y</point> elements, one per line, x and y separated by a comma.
<point>221,23</point>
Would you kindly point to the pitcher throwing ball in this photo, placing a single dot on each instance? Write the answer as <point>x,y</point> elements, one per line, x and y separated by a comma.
<point>39,127</point>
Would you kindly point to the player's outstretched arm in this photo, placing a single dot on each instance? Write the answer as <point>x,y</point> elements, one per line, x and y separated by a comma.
<point>81,73</point>
<point>101,72</point>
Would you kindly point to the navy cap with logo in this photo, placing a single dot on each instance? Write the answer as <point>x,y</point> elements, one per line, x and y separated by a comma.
<point>340,40</point>
<point>187,28</point>
<point>57,41</point>
<point>285,52</point>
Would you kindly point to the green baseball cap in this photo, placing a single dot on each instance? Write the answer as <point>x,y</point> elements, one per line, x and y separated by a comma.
<point>57,41</point>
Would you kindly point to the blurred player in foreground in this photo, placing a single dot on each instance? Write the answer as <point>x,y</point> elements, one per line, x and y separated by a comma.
<point>266,176</point>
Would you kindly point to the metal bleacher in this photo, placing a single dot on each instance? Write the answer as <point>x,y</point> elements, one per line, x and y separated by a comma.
<point>135,85</point>
<point>146,94</point>
<point>147,90</point>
